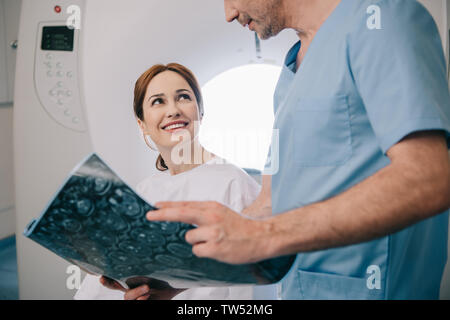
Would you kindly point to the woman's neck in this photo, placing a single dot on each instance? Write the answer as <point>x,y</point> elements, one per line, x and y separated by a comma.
<point>180,159</point>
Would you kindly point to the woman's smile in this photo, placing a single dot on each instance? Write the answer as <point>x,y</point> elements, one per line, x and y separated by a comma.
<point>175,126</point>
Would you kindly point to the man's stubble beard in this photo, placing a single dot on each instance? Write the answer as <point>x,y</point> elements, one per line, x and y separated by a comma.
<point>275,24</point>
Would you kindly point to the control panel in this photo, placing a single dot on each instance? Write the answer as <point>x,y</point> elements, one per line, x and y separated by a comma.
<point>56,74</point>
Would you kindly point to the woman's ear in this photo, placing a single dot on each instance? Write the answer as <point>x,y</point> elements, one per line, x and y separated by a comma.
<point>142,125</point>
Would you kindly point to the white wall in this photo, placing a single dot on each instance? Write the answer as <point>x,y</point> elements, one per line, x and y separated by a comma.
<point>3,72</point>
<point>7,218</point>
<point>9,25</point>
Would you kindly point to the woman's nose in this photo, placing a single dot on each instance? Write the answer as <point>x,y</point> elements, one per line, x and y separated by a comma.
<point>231,12</point>
<point>173,110</point>
<point>174,115</point>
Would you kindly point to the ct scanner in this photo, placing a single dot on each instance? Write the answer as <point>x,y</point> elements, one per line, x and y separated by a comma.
<point>73,95</point>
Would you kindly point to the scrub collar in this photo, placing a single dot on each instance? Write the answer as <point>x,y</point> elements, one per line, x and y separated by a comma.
<point>291,57</point>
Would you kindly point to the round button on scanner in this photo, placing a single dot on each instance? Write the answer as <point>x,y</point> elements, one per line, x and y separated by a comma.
<point>49,56</point>
<point>59,74</point>
<point>59,84</point>
<point>69,74</point>
<point>68,93</point>
<point>67,112</point>
<point>52,93</point>
<point>60,102</point>
<point>49,74</point>
<point>75,120</point>
<point>59,65</point>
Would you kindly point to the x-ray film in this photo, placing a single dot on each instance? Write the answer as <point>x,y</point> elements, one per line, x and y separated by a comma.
<point>98,222</point>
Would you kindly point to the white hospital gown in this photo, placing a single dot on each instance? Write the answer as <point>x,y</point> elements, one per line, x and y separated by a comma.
<point>216,180</point>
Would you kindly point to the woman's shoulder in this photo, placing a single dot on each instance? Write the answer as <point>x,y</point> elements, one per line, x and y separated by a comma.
<point>240,189</point>
<point>155,177</point>
<point>218,172</point>
<point>223,170</point>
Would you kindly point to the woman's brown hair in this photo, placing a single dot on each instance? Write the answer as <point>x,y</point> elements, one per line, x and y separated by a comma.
<point>142,83</point>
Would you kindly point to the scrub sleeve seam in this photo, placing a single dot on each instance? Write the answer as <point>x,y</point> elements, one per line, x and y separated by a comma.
<point>387,141</point>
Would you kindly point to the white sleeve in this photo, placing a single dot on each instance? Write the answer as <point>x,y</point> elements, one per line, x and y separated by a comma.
<point>243,192</point>
<point>92,289</point>
<point>140,187</point>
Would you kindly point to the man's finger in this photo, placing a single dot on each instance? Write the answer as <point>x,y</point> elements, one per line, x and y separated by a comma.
<point>189,204</point>
<point>204,234</point>
<point>203,250</point>
<point>182,214</point>
<point>172,204</point>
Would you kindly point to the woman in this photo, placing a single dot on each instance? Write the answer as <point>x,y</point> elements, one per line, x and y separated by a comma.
<point>169,107</point>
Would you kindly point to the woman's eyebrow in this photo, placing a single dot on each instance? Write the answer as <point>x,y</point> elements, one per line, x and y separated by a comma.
<point>156,95</point>
<point>181,90</point>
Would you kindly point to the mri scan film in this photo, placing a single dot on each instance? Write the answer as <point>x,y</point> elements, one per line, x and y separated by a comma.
<point>98,222</point>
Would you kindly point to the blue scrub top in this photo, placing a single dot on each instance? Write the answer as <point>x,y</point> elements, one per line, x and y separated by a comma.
<point>357,93</point>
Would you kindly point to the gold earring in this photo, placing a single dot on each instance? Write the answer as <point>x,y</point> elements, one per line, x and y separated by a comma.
<point>147,143</point>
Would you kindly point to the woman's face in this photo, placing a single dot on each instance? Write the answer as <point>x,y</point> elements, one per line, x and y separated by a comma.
<point>169,107</point>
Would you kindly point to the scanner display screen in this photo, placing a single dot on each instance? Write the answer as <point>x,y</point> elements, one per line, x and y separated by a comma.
<point>57,38</point>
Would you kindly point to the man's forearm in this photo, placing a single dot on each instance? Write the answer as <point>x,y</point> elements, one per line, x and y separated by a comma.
<point>395,197</point>
<point>257,210</point>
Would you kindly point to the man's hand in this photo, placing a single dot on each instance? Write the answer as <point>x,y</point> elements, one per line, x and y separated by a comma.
<point>222,234</point>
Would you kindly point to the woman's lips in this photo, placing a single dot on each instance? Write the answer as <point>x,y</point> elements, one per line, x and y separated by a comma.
<point>186,124</point>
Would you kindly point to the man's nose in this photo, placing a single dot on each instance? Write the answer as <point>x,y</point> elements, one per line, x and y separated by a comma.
<point>231,13</point>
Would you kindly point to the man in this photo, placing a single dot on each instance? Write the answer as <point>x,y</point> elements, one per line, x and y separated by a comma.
<point>363,188</point>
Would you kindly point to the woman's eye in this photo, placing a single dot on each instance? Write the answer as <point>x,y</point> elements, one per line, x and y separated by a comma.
<point>157,101</point>
<point>184,96</point>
